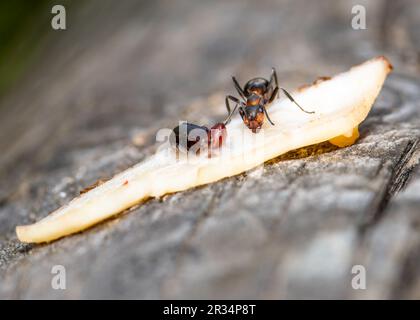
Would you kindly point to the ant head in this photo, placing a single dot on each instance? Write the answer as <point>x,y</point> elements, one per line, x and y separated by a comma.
<point>217,135</point>
<point>253,117</point>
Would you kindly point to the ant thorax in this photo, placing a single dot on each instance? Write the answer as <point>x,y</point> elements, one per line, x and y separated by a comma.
<point>253,100</point>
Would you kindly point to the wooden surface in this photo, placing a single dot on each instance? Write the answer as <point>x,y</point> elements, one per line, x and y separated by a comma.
<point>91,105</point>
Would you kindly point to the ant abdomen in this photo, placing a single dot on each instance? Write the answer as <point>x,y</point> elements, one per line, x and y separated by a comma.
<point>188,134</point>
<point>257,86</point>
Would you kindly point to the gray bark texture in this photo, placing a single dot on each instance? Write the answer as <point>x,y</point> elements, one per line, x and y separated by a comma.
<point>95,97</point>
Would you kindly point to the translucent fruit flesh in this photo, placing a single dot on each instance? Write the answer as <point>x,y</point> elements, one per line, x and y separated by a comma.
<point>350,95</point>
<point>346,140</point>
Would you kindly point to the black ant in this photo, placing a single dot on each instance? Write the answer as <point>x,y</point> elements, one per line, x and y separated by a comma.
<point>257,94</point>
<point>189,134</point>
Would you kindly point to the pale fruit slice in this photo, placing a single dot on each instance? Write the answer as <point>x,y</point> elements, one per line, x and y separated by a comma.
<point>340,104</point>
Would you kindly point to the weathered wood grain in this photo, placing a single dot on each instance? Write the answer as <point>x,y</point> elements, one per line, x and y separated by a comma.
<point>291,229</point>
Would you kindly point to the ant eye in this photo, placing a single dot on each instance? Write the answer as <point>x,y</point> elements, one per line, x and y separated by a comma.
<point>260,109</point>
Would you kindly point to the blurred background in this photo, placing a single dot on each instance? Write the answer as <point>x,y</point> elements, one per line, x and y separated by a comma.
<point>83,103</point>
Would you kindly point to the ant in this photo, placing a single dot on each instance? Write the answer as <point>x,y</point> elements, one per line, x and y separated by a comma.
<point>257,94</point>
<point>187,134</point>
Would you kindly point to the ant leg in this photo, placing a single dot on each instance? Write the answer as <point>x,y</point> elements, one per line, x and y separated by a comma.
<point>238,88</point>
<point>274,78</point>
<point>293,100</point>
<point>273,95</point>
<point>234,99</point>
<point>268,118</point>
<point>242,113</point>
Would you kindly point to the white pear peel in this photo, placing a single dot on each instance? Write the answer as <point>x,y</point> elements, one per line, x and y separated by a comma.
<point>340,104</point>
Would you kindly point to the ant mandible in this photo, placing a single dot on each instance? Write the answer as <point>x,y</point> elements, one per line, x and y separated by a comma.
<point>257,94</point>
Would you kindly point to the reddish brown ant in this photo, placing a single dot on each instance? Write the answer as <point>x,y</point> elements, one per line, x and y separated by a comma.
<point>256,95</point>
<point>188,134</point>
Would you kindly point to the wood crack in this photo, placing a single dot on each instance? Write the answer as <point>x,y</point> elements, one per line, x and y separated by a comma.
<point>398,179</point>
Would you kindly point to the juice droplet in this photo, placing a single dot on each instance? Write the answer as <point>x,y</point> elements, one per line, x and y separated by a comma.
<point>344,140</point>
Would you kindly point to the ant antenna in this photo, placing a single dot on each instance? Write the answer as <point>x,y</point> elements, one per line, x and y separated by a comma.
<point>230,115</point>
<point>293,100</point>
<point>238,88</point>
<point>268,118</point>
